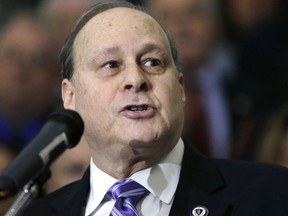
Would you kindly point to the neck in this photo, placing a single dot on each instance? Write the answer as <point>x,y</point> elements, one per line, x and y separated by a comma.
<point>120,166</point>
<point>121,160</point>
<point>126,161</point>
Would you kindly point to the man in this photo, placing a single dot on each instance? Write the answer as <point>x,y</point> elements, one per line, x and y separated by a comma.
<point>120,74</point>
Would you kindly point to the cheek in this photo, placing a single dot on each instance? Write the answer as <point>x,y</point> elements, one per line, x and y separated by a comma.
<point>171,97</point>
<point>93,104</point>
<point>84,100</point>
<point>82,97</point>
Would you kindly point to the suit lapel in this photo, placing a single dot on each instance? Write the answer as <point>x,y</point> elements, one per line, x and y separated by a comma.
<point>199,181</point>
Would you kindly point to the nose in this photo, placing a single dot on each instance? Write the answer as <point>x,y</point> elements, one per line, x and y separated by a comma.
<point>136,79</point>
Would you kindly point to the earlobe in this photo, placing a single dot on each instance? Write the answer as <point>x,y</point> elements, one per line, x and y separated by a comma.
<point>68,94</point>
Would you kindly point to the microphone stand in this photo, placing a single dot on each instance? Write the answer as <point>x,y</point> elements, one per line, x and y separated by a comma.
<point>30,191</point>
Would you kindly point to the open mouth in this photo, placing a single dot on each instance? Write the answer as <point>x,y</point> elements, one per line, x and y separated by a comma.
<point>137,108</point>
<point>142,111</point>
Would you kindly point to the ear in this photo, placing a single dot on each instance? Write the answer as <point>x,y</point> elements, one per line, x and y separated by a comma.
<point>68,95</point>
<point>182,87</point>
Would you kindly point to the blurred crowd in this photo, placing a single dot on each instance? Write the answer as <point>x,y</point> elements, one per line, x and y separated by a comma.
<point>233,54</point>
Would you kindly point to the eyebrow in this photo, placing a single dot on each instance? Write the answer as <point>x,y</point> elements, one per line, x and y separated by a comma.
<point>108,50</point>
<point>151,47</point>
<point>104,52</point>
<point>146,48</point>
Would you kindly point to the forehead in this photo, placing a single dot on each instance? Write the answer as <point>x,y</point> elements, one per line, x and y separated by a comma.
<point>109,25</point>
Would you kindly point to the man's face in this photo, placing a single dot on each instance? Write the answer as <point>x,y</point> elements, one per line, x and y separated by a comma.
<point>126,86</point>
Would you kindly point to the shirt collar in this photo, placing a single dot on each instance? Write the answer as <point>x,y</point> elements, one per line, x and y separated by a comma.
<point>161,179</point>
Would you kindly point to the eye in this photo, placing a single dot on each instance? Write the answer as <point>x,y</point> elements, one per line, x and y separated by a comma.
<point>108,68</point>
<point>154,66</point>
<point>111,64</point>
<point>152,63</point>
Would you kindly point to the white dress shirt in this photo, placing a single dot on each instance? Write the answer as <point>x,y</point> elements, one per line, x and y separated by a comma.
<point>160,180</point>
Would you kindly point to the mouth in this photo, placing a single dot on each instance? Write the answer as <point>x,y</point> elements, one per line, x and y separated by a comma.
<point>139,111</point>
<point>137,108</point>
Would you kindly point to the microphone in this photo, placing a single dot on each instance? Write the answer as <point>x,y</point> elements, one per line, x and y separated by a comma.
<point>62,130</point>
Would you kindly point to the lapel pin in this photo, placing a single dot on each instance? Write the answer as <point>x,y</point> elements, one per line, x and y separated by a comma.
<point>199,211</point>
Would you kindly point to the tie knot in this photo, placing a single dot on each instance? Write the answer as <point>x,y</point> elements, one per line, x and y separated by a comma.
<point>127,188</point>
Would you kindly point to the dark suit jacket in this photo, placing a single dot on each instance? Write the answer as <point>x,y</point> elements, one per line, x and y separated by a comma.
<point>224,187</point>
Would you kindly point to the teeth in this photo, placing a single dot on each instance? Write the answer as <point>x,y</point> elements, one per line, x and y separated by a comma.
<point>137,108</point>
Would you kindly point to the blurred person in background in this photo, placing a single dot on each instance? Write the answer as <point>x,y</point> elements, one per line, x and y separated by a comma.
<point>60,16</point>
<point>28,78</point>
<point>207,67</point>
<point>258,31</point>
<point>7,154</point>
<point>242,17</point>
<point>9,7</point>
<point>69,167</point>
<point>273,146</point>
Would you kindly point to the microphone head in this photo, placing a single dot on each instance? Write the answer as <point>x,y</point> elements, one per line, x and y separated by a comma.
<point>74,123</point>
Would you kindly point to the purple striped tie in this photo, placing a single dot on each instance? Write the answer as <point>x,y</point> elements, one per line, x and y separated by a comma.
<point>127,194</point>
